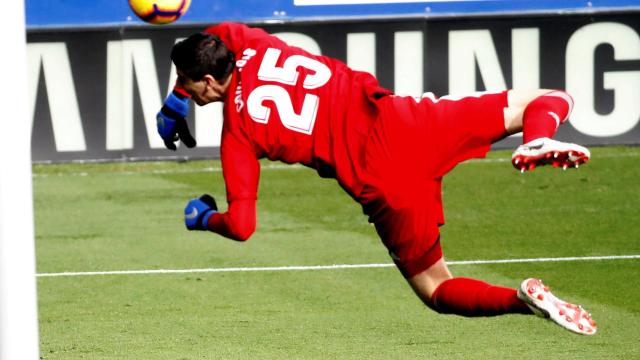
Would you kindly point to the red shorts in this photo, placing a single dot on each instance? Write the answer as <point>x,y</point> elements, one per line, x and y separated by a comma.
<point>410,147</point>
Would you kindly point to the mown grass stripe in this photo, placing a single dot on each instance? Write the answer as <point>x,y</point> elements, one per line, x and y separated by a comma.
<point>264,167</point>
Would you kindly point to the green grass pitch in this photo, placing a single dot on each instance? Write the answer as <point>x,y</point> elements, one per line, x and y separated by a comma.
<point>110,217</point>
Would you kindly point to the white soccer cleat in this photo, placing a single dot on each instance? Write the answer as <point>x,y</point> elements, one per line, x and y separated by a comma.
<point>544,304</point>
<point>545,151</point>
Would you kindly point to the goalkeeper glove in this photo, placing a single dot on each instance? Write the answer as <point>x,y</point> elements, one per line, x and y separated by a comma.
<point>198,211</point>
<point>172,123</point>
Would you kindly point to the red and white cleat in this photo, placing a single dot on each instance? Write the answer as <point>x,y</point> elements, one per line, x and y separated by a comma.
<point>545,151</point>
<point>544,304</point>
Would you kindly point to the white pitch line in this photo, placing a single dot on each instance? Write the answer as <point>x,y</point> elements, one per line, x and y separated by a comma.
<point>329,267</point>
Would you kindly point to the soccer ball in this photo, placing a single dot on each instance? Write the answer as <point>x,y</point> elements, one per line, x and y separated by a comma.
<point>159,11</point>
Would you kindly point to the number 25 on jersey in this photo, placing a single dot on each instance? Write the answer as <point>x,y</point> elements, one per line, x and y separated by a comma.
<point>287,75</point>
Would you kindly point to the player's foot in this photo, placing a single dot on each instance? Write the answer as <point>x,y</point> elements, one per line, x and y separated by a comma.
<point>543,303</point>
<point>545,151</point>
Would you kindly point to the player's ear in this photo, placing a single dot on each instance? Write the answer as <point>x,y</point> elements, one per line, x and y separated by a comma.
<point>209,80</point>
<point>219,87</point>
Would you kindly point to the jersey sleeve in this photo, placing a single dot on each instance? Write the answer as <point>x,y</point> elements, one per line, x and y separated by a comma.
<point>241,171</point>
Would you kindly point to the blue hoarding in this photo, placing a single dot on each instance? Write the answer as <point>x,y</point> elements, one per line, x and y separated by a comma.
<point>83,13</point>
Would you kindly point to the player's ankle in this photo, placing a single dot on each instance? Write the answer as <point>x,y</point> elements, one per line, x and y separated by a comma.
<point>535,140</point>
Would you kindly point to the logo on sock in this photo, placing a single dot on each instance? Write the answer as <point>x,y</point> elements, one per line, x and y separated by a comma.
<point>555,117</point>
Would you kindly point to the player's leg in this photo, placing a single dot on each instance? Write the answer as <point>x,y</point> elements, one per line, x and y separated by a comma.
<point>538,114</point>
<point>446,294</point>
<point>466,126</point>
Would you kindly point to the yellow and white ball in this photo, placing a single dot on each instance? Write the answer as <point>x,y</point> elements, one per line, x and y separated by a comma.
<point>159,12</point>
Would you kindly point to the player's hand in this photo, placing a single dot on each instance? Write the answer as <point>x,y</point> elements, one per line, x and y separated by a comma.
<point>172,123</point>
<point>198,211</point>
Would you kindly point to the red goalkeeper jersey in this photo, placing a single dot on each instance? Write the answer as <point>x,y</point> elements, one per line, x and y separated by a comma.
<point>286,104</point>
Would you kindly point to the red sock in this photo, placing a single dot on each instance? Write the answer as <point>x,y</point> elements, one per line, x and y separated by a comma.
<point>470,297</point>
<point>544,114</point>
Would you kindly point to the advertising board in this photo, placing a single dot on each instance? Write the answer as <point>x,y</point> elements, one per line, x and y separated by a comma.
<point>94,93</point>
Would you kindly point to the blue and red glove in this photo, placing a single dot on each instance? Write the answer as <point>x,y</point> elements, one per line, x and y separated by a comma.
<point>172,123</point>
<point>198,211</point>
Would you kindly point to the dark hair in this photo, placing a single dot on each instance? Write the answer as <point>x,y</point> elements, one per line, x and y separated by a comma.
<point>201,54</point>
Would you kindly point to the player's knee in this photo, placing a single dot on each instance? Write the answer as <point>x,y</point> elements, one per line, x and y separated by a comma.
<point>426,283</point>
<point>428,295</point>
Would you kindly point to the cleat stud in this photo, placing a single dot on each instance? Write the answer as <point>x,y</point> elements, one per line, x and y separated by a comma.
<point>580,326</point>
<point>568,318</point>
<point>546,289</point>
<point>570,154</point>
<point>561,313</point>
<point>565,166</point>
<point>540,297</point>
<point>517,162</point>
<point>577,165</point>
<point>555,155</point>
<point>522,170</point>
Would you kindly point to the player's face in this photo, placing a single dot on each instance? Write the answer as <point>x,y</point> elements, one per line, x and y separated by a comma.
<point>203,91</point>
